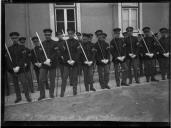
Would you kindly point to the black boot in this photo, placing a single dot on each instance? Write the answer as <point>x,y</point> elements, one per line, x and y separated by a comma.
<point>18,100</point>
<point>147,78</point>
<point>92,88</point>
<point>153,79</point>
<point>74,90</point>
<point>107,86</point>
<point>29,99</point>
<point>41,98</point>
<point>124,84</point>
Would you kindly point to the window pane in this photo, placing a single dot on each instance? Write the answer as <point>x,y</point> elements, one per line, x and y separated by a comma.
<point>125,19</point>
<point>60,26</point>
<point>130,4</point>
<point>64,3</point>
<point>70,14</point>
<point>59,15</point>
<point>134,16</point>
<point>71,25</point>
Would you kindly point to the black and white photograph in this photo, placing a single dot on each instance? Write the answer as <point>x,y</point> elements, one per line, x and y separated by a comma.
<point>83,61</point>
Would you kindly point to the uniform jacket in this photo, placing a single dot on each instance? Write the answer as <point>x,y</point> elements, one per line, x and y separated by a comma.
<point>104,46</point>
<point>131,45</point>
<point>74,48</point>
<point>117,48</point>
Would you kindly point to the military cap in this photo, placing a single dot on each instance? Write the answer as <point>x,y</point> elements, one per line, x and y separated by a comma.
<point>34,38</point>
<point>69,29</point>
<point>78,33</point>
<point>22,38</point>
<point>59,33</point>
<point>116,29</point>
<point>124,33</point>
<point>86,35</point>
<point>14,34</point>
<point>90,34</point>
<point>162,30</point>
<point>47,30</point>
<point>98,31</point>
<point>103,34</point>
<point>146,29</point>
<point>129,28</point>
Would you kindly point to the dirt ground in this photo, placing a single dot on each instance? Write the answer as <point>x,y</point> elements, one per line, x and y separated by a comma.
<point>143,102</point>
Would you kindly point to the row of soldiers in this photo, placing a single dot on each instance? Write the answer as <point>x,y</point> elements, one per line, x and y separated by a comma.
<point>71,55</point>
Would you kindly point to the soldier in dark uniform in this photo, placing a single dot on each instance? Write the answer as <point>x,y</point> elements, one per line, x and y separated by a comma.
<point>35,59</point>
<point>80,68</point>
<point>118,51</point>
<point>125,35</point>
<point>70,62</point>
<point>163,53</point>
<point>49,64</point>
<point>18,67</point>
<point>132,54</point>
<point>61,43</point>
<point>87,65</point>
<point>102,60</point>
<point>148,56</point>
<point>22,41</point>
<point>141,63</point>
<point>7,87</point>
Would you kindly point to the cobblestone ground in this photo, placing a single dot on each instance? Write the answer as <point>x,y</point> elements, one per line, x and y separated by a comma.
<point>142,102</point>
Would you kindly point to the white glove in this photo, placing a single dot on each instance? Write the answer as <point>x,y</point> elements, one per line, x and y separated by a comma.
<point>130,54</point>
<point>16,69</point>
<point>89,63</point>
<point>123,57</point>
<point>133,56</point>
<point>47,62</point>
<point>105,61</point>
<point>38,64</point>
<point>71,62</point>
<point>149,54</point>
<point>166,54</point>
<point>25,65</point>
<point>119,58</point>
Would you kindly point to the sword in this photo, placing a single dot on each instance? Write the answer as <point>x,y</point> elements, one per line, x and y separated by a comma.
<point>42,46</point>
<point>34,50</point>
<point>144,41</point>
<point>67,46</point>
<point>158,42</point>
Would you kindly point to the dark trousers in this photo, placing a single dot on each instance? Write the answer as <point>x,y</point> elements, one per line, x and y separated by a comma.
<point>61,67</point>
<point>88,76</point>
<point>135,64</point>
<point>164,67</point>
<point>30,80</point>
<point>43,80</point>
<point>124,72</point>
<point>72,73</point>
<point>23,78</point>
<point>141,67</point>
<point>37,72</point>
<point>7,88</point>
<point>80,69</point>
<point>103,71</point>
<point>149,68</point>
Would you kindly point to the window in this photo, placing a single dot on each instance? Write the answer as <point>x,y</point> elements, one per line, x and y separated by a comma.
<point>130,16</point>
<point>65,17</point>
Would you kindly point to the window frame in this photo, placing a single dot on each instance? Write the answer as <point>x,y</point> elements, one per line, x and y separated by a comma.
<point>129,7</point>
<point>65,8</point>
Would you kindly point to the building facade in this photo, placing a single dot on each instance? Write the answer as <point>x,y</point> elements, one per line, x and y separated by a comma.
<point>83,17</point>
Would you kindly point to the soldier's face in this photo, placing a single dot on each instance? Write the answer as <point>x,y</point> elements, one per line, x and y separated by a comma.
<point>36,42</point>
<point>14,39</point>
<point>79,37</point>
<point>85,39</point>
<point>147,33</point>
<point>48,35</point>
<point>60,37</point>
<point>116,34</point>
<point>129,32</point>
<point>22,42</point>
<point>100,37</point>
<point>163,34</point>
<point>70,34</point>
